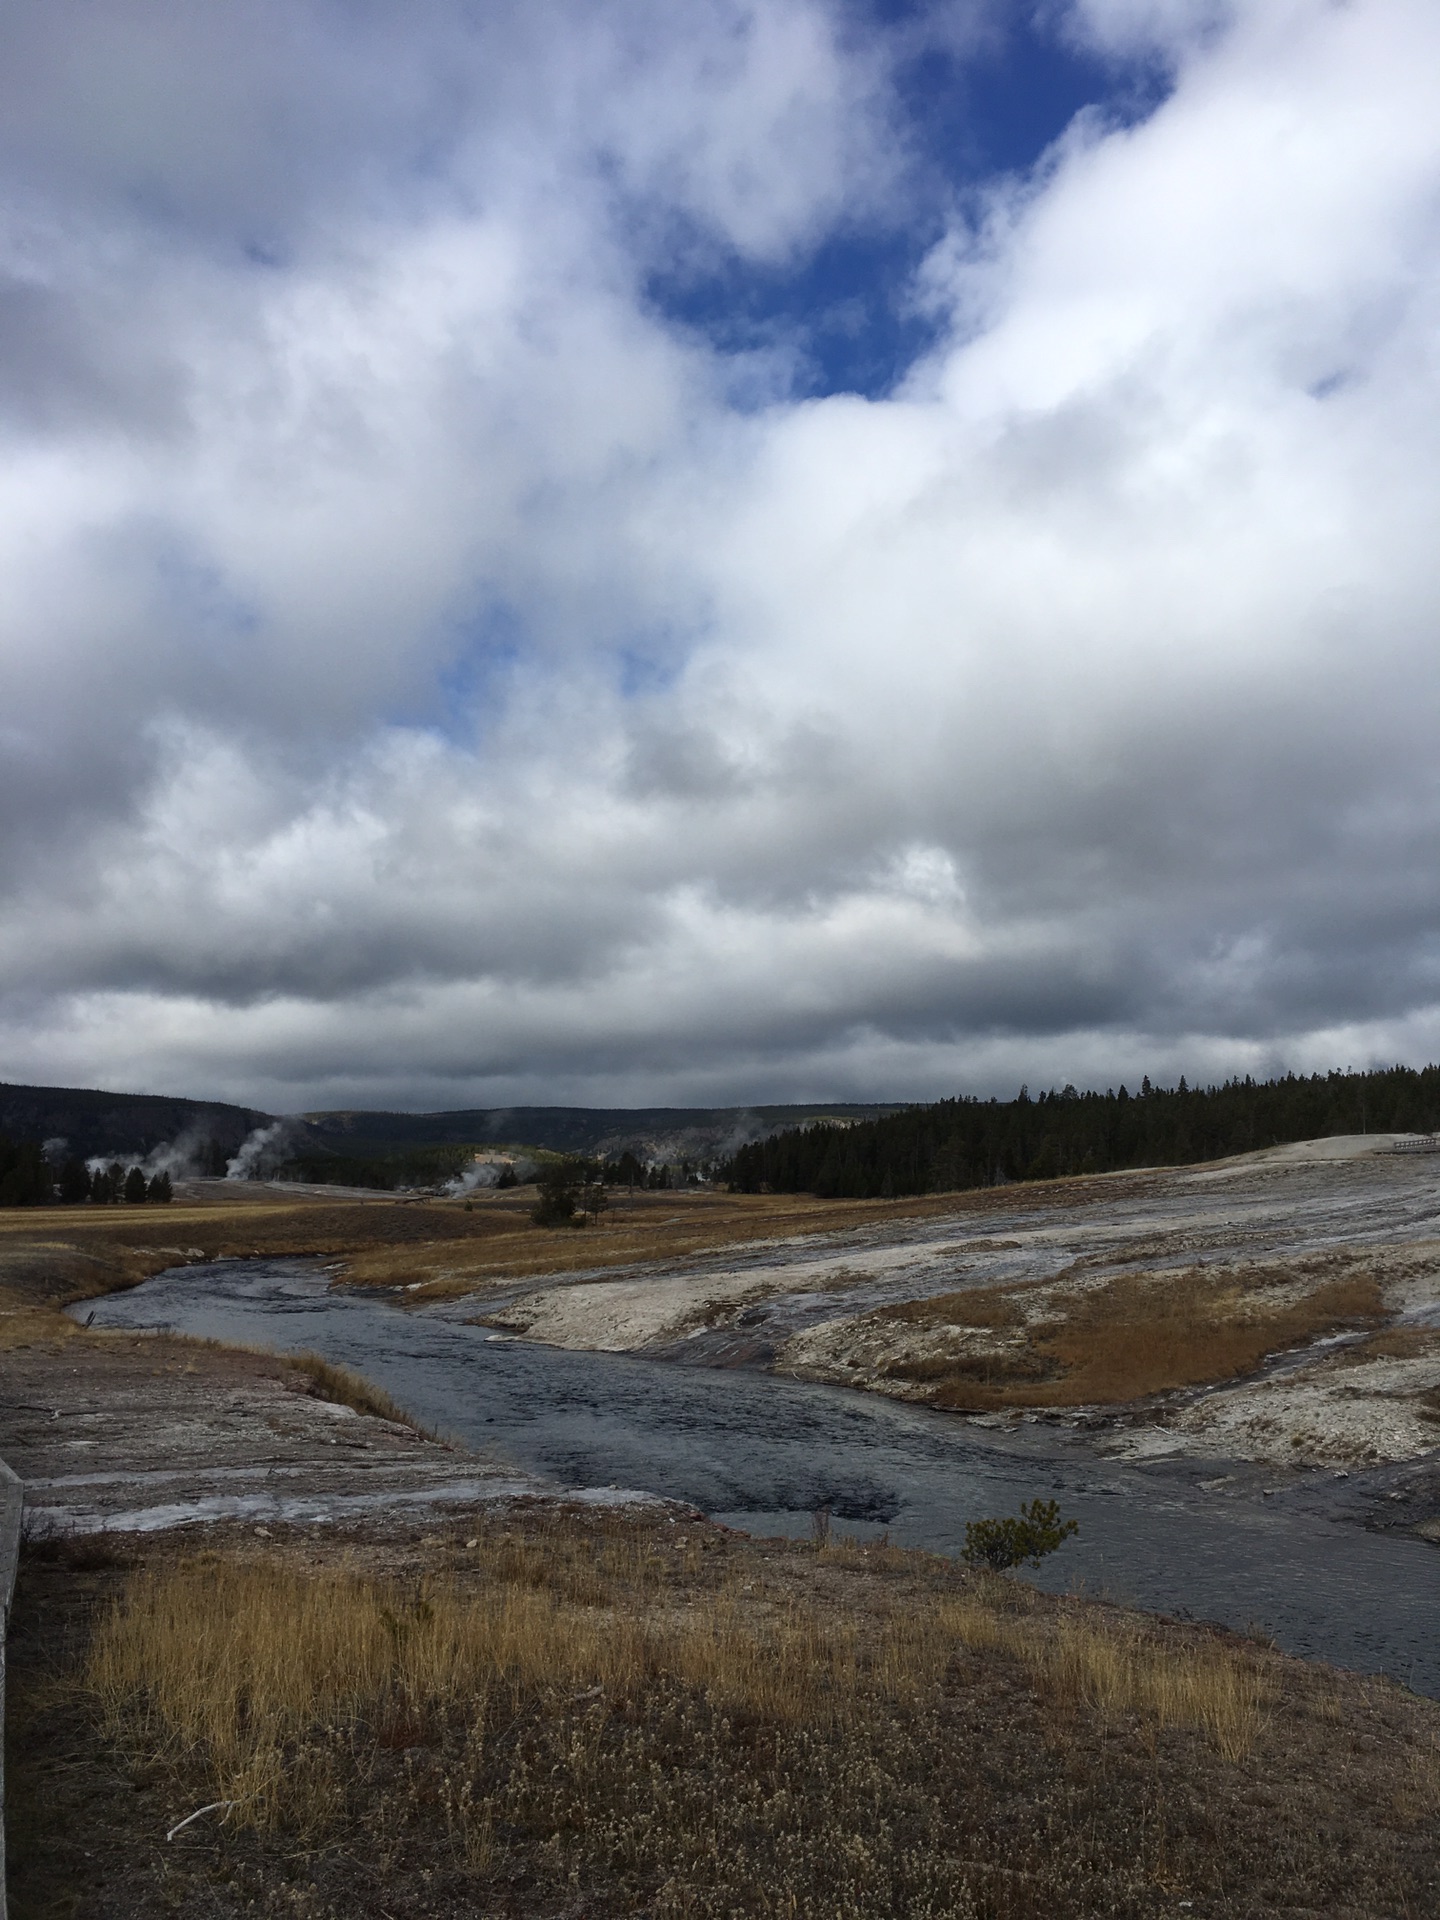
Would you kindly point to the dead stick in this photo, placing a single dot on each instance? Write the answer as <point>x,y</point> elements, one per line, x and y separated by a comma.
<point>214,1807</point>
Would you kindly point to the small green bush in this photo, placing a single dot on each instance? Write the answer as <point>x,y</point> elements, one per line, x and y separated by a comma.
<point>999,1544</point>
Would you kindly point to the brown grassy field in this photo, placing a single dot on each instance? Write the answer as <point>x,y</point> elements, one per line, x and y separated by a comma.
<point>1128,1336</point>
<point>51,1255</point>
<point>563,1715</point>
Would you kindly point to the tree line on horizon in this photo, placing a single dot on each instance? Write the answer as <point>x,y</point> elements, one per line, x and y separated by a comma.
<point>28,1179</point>
<point>968,1142</point>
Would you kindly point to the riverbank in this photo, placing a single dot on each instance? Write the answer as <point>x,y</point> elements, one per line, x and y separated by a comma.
<point>1154,1301</point>
<point>1282,1308</point>
<point>764,1453</point>
<point>435,1248</point>
<point>140,1433</point>
<point>548,1712</point>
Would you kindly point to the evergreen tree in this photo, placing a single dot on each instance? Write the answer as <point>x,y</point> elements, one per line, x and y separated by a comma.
<point>159,1192</point>
<point>972,1143</point>
<point>564,1186</point>
<point>134,1188</point>
<point>74,1181</point>
<point>25,1178</point>
<point>555,1206</point>
<point>627,1171</point>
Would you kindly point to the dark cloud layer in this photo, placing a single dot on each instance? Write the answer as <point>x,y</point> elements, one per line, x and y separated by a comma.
<point>434,676</point>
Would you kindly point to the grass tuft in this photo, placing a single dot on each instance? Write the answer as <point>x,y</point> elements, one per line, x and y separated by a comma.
<point>346,1388</point>
<point>1117,1671</point>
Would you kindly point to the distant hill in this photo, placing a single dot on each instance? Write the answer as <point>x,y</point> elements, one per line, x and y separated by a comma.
<point>131,1125</point>
<point>126,1124</point>
<point>652,1133</point>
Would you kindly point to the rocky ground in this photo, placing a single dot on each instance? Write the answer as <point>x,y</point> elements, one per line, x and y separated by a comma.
<point>144,1433</point>
<point>1331,1252</point>
<point>131,1433</point>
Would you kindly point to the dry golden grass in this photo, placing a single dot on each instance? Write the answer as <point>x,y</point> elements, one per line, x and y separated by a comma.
<point>501,1244</point>
<point>1143,1335</point>
<point>238,1664</point>
<point>24,1324</point>
<point>346,1387</point>
<point>1116,1670</point>
<point>38,1274</point>
<point>1394,1343</point>
<point>598,1713</point>
<point>273,1687</point>
<point>989,1307</point>
<point>265,1679</point>
<point>1128,1337</point>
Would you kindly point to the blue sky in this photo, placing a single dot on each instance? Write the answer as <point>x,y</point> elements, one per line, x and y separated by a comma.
<point>768,550</point>
<point>846,308</point>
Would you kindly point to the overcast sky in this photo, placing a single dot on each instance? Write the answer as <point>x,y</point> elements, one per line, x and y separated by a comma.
<point>764,549</point>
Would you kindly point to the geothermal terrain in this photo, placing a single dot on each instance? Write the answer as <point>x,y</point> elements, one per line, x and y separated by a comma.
<point>278,1650</point>
<point>1283,1307</point>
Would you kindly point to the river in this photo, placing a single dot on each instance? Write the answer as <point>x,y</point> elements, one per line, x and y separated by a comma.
<point>764,1454</point>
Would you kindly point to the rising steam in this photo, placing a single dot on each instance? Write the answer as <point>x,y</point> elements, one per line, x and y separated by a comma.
<point>485,1171</point>
<point>262,1152</point>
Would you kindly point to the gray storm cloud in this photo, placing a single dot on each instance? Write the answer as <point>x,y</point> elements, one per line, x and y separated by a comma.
<point>426,683</point>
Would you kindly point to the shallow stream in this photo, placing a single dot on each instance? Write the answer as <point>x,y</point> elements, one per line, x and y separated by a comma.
<point>765,1454</point>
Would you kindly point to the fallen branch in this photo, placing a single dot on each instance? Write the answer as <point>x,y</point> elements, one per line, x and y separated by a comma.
<point>214,1807</point>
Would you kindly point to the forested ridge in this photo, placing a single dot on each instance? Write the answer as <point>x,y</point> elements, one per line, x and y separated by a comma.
<point>968,1142</point>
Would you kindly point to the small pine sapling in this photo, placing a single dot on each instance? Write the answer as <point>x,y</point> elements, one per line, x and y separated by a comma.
<point>999,1544</point>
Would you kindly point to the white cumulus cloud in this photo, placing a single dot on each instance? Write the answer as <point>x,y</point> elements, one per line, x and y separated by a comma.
<point>427,682</point>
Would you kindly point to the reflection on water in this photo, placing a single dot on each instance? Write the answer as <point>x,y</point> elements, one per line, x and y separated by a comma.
<point>764,1454</point>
